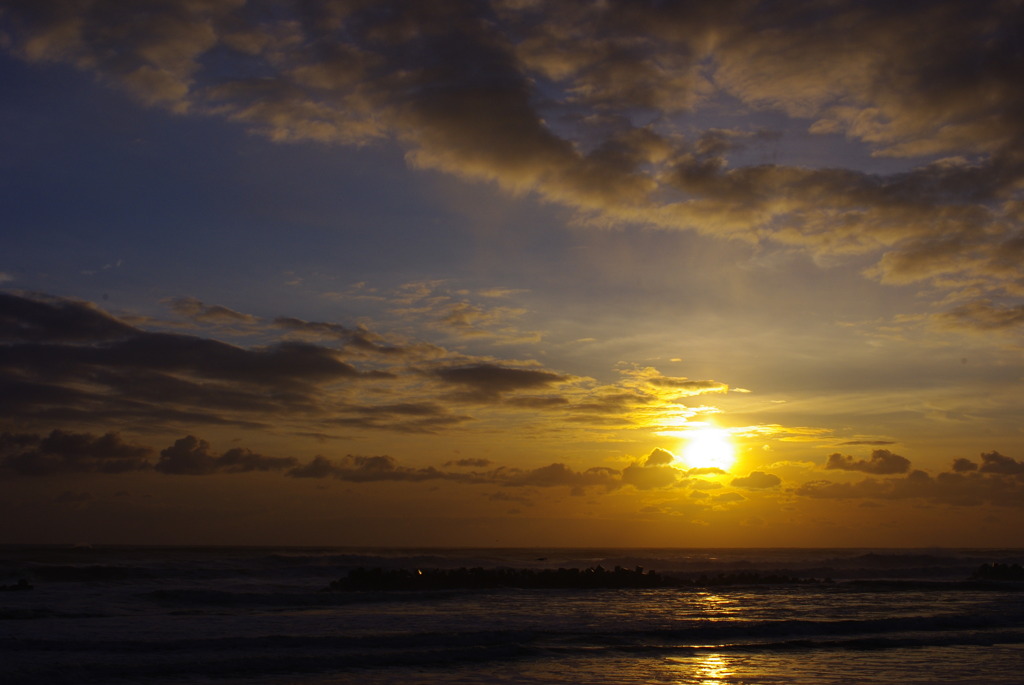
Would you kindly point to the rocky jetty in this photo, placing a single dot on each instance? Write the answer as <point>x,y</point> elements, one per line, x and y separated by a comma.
<point>363,579</point>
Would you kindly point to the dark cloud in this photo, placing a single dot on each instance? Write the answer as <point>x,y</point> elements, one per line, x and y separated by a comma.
<point>281,365</point>
<point>64,360</point>
<point>757,480</point>
<point>16,441</point>
<point>964,465</point>
<point>914,484</point>
<point>66,452</point>
<point>404,417</point>
<point>487,382</point>
<point>537,402</point>
<point>993,462</point>
<point>95,368</point>
<point>576,102</point>
<point>41,318</point>
<point>361,469</point>
<point>656,471</point>
<point>881,462</point>
<point>320,467</point>
<point>104,342</point>
<point>965,485</point>
<point>650,473</point>
<point>469,463</point>
<point>191,456</point>
<point>554,475</point>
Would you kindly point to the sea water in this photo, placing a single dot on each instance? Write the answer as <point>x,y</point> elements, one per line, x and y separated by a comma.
<point>162,615</point>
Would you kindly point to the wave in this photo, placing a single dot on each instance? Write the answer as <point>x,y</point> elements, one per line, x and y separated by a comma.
<point>241,657</point>
<point>697,635</point>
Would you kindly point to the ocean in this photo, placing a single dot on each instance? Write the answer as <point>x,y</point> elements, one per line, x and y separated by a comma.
<point>225,616</point>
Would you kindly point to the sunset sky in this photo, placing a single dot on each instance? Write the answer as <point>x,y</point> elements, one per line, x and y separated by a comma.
<point>512,273</point>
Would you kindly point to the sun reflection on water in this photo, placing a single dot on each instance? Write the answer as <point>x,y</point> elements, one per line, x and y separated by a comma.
<point>717,607</point>
<point>712,668</point>
<point>703,669</point>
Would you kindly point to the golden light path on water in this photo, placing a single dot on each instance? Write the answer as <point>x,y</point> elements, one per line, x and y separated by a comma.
<point>705,669</point>
<point>712,668</point>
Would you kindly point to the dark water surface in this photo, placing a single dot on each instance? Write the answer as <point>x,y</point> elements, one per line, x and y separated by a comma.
<point>259,615</point>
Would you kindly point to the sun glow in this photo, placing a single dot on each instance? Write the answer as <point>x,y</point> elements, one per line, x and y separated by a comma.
<point>709,447</point>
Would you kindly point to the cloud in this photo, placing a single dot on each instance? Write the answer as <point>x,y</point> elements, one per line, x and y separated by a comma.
<point>75,333</point>
<point>964,465</point>
<point>578,103</point>
<point>548,402</point>
<point>984,315</point>
<point>66,360</point>
<point>649,473</point>
<point>191,456</point>
<point>868,442</point>
<point>993,462</point>
<point>402,417</point>
<point>705,471</point>
<point>319,467</point>
<point>966,485</point>
<point>42,318</point>
<point>469,463</point>
<point>686,387</point>
<point>358,339</point>
<point>460,313</point>
<point>656,471</point>
<point>66,452</point>
<point>698,484</point>
<point>881,462</point>
<point>659,457</point>
<point>487,382</point>
<point>558,474</point>
<point>468,319</point>
<point>915,484</point>
<point>362,469</point>
<point>196,310</point>
<point>757,480</point>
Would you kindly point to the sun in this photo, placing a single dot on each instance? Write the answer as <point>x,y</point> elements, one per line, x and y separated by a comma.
<point>709,447</point>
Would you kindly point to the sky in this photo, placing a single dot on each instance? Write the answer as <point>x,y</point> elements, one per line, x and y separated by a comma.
<point>512,273</point>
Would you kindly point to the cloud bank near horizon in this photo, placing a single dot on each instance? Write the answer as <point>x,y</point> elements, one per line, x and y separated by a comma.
<point>998,480</point>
